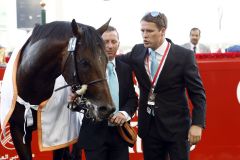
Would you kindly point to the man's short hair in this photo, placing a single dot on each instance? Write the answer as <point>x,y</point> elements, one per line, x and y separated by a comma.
<point>156,17</point>
<point>195,29</point>
<point>111,28</point>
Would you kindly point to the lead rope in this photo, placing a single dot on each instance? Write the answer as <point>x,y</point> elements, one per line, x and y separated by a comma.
<point>27,111</point>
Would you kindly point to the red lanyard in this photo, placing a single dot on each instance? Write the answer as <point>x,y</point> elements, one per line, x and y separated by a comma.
<point>153,82</point>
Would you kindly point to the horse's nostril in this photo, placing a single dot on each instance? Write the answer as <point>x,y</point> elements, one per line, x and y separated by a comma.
<point>113,110</point>
<point>102,109</point>
<point>105,111</point>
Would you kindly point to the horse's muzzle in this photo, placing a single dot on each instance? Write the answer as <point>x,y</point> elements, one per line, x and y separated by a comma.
<point>105,111</point>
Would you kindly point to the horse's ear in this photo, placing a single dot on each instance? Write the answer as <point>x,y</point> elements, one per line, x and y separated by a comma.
<point>77,31</point>
<point>104,27</point>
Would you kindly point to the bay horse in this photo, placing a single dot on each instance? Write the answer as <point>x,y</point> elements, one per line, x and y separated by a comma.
<point>44,57</point>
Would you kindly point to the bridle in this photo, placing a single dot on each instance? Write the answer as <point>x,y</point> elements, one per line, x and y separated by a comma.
<point>80,103</point>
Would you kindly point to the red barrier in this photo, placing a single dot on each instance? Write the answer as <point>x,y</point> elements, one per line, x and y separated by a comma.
<point>220,75</point>
<point>2,69</point>
<point>220,141</point>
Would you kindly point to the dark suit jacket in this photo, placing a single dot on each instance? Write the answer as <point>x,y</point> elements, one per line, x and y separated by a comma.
<point>93,134</point>
<point>180,73</point>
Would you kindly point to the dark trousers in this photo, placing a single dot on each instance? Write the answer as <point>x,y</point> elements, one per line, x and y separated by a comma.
<point>114,148</point>
<point>64,153</point>
<point>157,148</point>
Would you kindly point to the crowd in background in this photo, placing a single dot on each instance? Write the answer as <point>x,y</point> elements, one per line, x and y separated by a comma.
<point>4,55</point>
<point>193,44</point>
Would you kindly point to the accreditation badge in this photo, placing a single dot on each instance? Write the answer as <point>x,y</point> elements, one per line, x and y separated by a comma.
<point>151,99</point>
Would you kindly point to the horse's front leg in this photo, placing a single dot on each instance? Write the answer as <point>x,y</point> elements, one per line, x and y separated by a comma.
<point>17,131</point>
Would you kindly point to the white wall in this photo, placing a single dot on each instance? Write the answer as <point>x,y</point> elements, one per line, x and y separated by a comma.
<point>182,16</point>
<point>126,14</point>
<point>9,34</point>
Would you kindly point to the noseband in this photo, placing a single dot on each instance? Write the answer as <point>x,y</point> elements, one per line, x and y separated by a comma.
<point>80,103</point>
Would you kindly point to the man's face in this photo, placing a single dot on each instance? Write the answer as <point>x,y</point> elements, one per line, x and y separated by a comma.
<point>111,43</point>
<point>194,37</point>
<point>152,36</point>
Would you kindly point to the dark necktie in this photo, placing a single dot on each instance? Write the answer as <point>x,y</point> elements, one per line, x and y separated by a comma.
<point>194,49</point>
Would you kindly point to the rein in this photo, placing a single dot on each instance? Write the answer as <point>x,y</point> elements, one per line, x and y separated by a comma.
<point>74,85</point>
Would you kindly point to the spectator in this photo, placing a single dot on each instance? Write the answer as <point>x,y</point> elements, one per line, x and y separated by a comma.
<point>234,48</point>
<point>101,140</point>
<point>194,44</point>
<point>2,55</point>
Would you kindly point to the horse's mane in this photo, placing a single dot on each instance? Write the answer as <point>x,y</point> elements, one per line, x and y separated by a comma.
<point>62,30</point>
<point>53,30</point>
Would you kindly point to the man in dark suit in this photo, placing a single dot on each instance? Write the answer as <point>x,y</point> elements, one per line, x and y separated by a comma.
<point>101,140</point>
<point>165,72</point>
<point>194,44</point>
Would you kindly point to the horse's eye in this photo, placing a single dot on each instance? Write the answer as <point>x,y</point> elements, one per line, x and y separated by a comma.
<point>84,63</point>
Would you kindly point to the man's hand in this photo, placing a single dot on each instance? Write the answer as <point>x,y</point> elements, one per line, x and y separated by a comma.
<point>71,97</point>
<point>118,119</point>
<point>194,134</point>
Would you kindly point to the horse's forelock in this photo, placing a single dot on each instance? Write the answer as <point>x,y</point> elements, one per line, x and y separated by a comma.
<point>92,39</point>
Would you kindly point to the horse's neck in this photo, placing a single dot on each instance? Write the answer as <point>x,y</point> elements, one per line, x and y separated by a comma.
<point>39,67</point>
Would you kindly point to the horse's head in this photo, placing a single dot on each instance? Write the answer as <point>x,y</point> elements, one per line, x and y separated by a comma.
<point>85,66</point>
